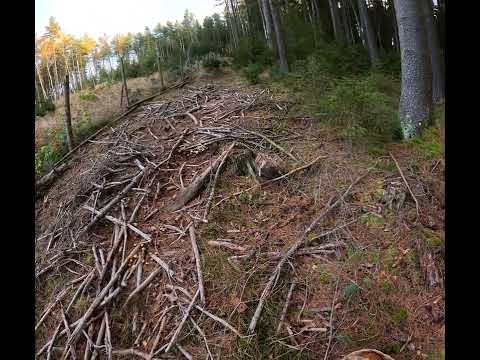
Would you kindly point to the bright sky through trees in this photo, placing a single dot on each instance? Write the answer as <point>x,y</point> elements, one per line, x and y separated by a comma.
<point>96,17</point>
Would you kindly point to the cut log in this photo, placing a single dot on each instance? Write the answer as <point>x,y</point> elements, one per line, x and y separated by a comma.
<point>191,190</point>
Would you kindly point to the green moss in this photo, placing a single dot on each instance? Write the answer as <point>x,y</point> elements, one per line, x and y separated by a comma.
<point>428,144</point>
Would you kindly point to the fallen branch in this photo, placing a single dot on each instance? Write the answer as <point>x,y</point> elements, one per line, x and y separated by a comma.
<point>112,202</point>
<point>214,183</point>
<point>227,245</point>
<point>185,316</point>
<point>406,183</point>
<point>144,284</point>
<point>196,255</point>
<point>119,222</point>
<point>291,251</point>
<point>189,192</point>
<point>99,298</point>
<point>330,336</point>
<point>285,307</point>
<point>220,320</point>
<point>272,180</point>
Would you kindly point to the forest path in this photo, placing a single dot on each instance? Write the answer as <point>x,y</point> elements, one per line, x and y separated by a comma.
<point>136,266</point>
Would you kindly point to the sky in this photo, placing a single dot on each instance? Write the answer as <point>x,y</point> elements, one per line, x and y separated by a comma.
<point>96,17</point>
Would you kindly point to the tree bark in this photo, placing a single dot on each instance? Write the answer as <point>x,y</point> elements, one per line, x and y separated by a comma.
<point>267,18</point>
<point>396,41</point>
<point>435,54</point>
<point>368,30</point>
<point>361,32</point>
<point>346,23</point>
<point>41,81</point>
<point>68,118</point>
<point>337,25</point>
<point>282,52</point>
<point>416,94</point>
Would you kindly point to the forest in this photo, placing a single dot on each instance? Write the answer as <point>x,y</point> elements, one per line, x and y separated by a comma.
<point>276,190</point>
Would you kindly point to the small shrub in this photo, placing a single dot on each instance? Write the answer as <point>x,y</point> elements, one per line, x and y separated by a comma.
<point>87,95</point>
<point>252,72</point>
<point>276,74</point>
<point>252,50</point>
<point>44,107</point>
<point>400,316</point>
<point>350,291</point>
<point>360,106</point>
<point>211,62</point>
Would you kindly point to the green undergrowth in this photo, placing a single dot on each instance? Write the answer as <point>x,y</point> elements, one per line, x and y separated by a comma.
<point>87,95</point>
<point>56,145</point>
<point>337,85</point>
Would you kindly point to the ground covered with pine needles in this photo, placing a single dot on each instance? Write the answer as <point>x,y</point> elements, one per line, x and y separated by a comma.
<point>369,273</point>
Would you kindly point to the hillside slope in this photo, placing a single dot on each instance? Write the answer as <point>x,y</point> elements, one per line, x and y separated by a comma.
<point>368,274</point>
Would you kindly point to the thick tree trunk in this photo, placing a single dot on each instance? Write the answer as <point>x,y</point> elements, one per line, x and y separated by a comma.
<point>267,18</point>
<point>282,52</point>
<point>416,94</point>
<point>368,30</point>
<point>435,54</point>
<point>337,26</point>
<point>68,118</point>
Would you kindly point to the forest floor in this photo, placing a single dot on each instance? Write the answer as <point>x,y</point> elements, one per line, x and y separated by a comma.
<point>370,273</point>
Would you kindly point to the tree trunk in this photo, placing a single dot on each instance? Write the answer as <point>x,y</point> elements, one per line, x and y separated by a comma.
<point>337,25</point>
<point>41,81</point>
<point>56,73</point>
<point>416,94</point>
<point>52,87</point>
<point>435,54</point>
<point>282,52</point>
<point>361,32</point>
<point>79,73</point>
<point>68,118</point>
<point>346,23</point>
<point>267,17</point>
<point>124,79</point>
<point>368,30</point>
<point>159,62</point>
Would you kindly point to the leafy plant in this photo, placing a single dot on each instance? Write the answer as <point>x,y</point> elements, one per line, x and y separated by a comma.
<point>252,72</point>
<point>87,95</point>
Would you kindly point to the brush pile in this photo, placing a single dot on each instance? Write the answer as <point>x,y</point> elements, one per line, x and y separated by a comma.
<point>118,220</point>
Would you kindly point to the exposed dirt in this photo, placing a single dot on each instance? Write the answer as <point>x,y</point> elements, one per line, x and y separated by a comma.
<point>371,273</point>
